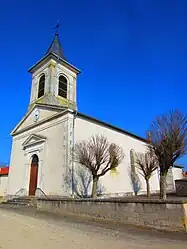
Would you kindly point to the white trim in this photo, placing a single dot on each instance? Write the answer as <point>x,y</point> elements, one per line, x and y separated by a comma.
<point>38,84</point>
<point>23,119</point>
<point>40,122</point>
<point>63,74</point>
<point>26,133</point>
<point>68,85</point>
<point>50,56</point>
<point>40,75</point>
<point>30,153</point>
<point>38,139</point>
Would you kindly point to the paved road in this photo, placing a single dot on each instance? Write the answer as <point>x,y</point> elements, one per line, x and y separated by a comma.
<point>41,231</point>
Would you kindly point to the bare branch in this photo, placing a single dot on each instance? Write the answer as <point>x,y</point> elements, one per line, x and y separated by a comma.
<point>98,155</point>
<point>168,135</point>
<point>169,138</point>
<point>147,163</point>
<point>115,157</point>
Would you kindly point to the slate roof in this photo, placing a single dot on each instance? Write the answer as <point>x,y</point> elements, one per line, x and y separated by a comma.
<point>55,51</point>
<point>56,48</point>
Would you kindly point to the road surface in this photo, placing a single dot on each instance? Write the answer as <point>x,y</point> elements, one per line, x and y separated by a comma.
<point>43,231</point>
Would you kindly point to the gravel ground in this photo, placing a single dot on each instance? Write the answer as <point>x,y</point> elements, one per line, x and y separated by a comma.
<point>28,229</point>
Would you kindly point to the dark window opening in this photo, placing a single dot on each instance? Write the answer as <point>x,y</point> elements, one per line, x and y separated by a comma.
<point>62,87</point>
<point>41,87</point>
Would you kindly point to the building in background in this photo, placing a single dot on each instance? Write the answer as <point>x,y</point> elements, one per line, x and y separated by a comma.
<point>4,170</point>
<point>174,173</point>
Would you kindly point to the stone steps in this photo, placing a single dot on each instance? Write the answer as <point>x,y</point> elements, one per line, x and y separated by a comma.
<point>21,201</point>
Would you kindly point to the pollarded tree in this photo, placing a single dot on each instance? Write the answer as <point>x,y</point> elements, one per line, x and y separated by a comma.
<point>147,163</point>
<point>99,156</point>
<point>168,140</point>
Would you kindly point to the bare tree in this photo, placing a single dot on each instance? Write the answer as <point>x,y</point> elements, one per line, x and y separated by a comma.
<point>147,163</point>
<point>168,135</point>
<point>99,156</point>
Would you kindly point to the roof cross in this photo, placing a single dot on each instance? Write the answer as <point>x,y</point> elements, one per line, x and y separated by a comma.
<point>57,26</point>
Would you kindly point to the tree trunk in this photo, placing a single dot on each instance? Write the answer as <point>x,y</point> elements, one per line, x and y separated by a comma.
<point>163,186</point>
<point>148,188</point>
<point>94,187</point>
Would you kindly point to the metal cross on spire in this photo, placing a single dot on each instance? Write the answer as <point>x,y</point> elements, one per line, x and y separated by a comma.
<point>55,46</point>
<point>57,26</point>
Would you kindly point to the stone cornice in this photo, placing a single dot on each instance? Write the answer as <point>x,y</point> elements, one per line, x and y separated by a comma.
<point>53,56</point>
<point>37,139</point>
<point>114,200</point>
<point>56,115</point>
<point>39,129</point>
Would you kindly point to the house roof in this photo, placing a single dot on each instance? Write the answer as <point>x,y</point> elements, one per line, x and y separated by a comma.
<point>4,171</point>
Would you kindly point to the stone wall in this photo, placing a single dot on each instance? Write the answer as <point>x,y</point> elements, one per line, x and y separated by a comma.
<point>156,214</point>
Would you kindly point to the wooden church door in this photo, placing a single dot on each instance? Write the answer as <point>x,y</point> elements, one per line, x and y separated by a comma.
<point>33,175</point>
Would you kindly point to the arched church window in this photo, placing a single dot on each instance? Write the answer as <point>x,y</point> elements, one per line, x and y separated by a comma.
<point>62,87</point>
<point>41,86</point>
<point>133,161</point>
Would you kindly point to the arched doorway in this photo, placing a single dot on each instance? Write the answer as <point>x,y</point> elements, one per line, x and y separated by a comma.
<point>33,175</point>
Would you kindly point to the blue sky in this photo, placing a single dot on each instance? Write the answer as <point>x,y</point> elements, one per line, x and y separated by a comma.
<point>132,54</point>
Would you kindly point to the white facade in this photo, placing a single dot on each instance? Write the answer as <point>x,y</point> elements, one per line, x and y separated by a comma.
<point>118,183</point>
<point>52,138</point>
<point>50,129</point>
<point>43,140</point>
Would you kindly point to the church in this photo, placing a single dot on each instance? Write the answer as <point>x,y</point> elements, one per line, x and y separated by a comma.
<point>41,160</point>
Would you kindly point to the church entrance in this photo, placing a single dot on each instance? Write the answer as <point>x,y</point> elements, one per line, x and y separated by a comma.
<point>33,175</point>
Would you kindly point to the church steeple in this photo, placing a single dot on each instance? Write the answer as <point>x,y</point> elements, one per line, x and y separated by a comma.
<point>56,48</point>
<point>54,78</point>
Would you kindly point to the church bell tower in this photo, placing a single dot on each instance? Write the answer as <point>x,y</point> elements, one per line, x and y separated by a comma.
<point>54,79</point>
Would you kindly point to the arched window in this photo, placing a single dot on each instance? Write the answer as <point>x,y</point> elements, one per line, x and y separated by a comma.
<point>62,87</point>
<point>133,161</point>
<point>135,181</point>
<point>41,86</point>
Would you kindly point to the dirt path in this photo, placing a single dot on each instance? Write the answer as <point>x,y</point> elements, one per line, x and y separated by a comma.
<point>26,232</point>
